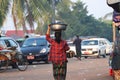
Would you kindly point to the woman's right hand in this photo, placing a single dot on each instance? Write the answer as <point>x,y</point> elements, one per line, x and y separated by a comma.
<point>48,30</point>
<point>49,26</point>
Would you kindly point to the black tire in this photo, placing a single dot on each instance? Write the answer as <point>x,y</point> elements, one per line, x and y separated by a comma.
<point>22,63</point>
<point>104,56</point>
<point>98,56</point>
<point>4,62</point>
<point>30,62</point>
<point>47,62</point>
<point>86,57</point>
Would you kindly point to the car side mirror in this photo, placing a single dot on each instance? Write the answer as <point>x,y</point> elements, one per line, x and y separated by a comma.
<point>49,45</point>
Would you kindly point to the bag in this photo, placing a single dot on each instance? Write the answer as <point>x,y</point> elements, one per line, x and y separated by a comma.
<point>115,4</point>
<point>70,54</point>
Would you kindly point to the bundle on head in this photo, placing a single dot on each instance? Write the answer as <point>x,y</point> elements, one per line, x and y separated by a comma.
<point>115,4</point>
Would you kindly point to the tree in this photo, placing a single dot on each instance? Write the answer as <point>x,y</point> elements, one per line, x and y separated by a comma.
<point>25,10</point>
<point>40,12</point>
<point>4,9</point>
<point>80,23</point>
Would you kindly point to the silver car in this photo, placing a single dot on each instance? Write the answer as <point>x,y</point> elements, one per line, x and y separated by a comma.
<point>93,47</point>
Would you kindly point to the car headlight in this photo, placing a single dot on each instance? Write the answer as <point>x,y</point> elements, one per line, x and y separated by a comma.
<point>43,50</point>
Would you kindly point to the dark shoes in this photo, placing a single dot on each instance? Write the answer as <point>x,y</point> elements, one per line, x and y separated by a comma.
<point>79,58</point>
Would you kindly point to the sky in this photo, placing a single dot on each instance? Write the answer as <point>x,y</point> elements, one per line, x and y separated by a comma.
<point>98,8</point>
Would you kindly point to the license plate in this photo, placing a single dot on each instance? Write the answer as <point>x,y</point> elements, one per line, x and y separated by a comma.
<point>30,57</point>
<point>86,53</point>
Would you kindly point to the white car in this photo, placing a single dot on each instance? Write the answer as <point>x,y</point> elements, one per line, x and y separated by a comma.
<point>109,46</point>
<point>93,47</point>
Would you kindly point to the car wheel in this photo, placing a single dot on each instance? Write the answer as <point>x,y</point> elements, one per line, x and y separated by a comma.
<point>98,56</point>
<point>47,62</point>
<point>30,62</point>
<point>104,55</point>
<point>86,57</point>
<point>75,56</point>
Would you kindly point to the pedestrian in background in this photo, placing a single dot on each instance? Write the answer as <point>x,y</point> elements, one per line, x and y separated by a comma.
<point>26,36</point>
<point>77,43</point>
<point>57,54</point>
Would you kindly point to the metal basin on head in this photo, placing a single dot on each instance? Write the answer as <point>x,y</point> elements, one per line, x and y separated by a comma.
<point>58,26</point>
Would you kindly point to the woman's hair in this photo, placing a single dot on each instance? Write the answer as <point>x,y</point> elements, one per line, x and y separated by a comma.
<point>77,36</point>
<point>58,36</point>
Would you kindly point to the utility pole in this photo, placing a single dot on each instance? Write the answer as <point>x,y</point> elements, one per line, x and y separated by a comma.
<point>53,11</point>
<point>114,31</point>
<point>115,25</point>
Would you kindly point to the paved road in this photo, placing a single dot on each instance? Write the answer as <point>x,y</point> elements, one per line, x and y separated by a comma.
<point>87,69</point>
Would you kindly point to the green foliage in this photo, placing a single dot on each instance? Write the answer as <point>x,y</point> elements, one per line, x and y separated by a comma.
<point>4,5</point>
<point>80,23</point>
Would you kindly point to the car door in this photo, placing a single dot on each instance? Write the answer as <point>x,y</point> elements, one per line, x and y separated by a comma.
<point>108,46</point>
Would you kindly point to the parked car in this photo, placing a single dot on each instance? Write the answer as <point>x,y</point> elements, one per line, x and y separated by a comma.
<point>9,42</point>
<point>93,47</point>
<point>109,46</point>
<point>20,41</point>
<point>36,49</point>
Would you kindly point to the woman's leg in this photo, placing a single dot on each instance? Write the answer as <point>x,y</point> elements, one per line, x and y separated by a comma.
<point>55,71</point>
<point>59,71</point>
<point>63,71</point>
<point>78,55</point>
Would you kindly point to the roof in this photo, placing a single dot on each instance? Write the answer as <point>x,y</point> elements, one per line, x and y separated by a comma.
<point>96,39</point>
<point>14,34</point>
<point>6,38</point>
<point>36,38</point>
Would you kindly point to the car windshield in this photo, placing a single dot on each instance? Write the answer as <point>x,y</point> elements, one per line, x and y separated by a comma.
<point>90,42</point>
<point>70,43</point>
<point>34,42</point>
